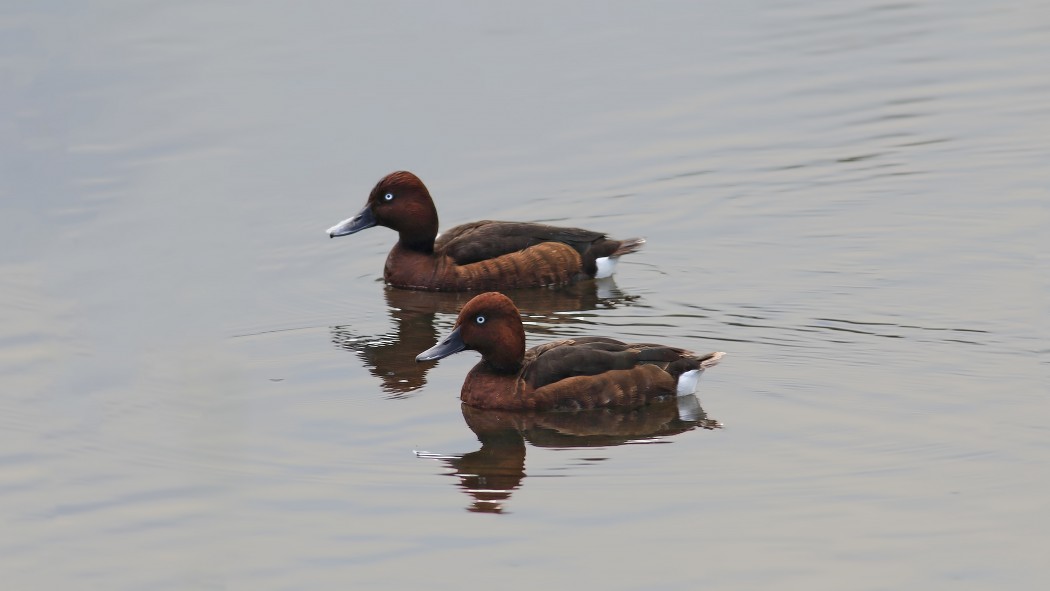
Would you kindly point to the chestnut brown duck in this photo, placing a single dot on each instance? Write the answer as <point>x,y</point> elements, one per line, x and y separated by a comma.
<point>571,374</point>
<point>481,255</point>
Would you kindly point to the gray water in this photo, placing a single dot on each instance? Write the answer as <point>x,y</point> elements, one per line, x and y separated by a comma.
<point>202,391</point>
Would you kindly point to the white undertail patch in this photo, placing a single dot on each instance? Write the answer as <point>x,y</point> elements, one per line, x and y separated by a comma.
<point>687,382</point>
<point>606,266</point>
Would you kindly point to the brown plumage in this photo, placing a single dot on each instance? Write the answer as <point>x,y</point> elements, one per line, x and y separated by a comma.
<point>571,374</point>
<point>476,256</point>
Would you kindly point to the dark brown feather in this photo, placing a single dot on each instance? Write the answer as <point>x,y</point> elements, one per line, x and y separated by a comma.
<point>589,356</point>
<point>478,241</point>
<point>549,263</point>
<point>473,257</point>
<point>571,374</point>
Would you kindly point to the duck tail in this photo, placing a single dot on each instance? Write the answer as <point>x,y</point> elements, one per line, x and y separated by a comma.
<point>604,265</point>
<point>628,246</point>
<point>711,359</point>
<point>688,380</point>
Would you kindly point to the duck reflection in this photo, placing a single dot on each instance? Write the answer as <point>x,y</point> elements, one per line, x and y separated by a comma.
<point>490,474</point>
<point>392,356</point>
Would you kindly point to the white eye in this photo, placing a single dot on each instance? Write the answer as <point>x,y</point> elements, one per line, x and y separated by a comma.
<point>388,197</point>
<point>480,320</point>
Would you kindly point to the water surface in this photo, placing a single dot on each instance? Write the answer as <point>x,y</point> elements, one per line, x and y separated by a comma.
<point>202,391</point>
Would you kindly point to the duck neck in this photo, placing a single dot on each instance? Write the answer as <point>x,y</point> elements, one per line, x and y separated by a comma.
<point>419,234</point>
<point>508,357</point>
<point>503,366</point>
<point>417,242</point>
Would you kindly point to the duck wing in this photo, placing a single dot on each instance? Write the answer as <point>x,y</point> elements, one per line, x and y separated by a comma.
<point>589,356</point>
<point>479,241</point>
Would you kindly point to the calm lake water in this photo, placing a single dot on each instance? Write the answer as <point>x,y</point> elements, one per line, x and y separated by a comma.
<point>202,391</point>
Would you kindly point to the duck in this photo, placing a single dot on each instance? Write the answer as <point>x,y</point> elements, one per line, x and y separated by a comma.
<point>478,256</point>
<point>581,373</point>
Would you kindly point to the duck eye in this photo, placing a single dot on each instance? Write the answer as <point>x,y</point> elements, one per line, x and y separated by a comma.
<point>388,197</point>
<point>480,320</point>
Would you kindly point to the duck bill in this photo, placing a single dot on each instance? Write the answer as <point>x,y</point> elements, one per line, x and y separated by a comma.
<point>359,222</point>
<point>453,343</point>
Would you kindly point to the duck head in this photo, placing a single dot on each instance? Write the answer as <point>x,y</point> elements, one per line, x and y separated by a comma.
<point>401,202</point>
<point>489,324</point>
